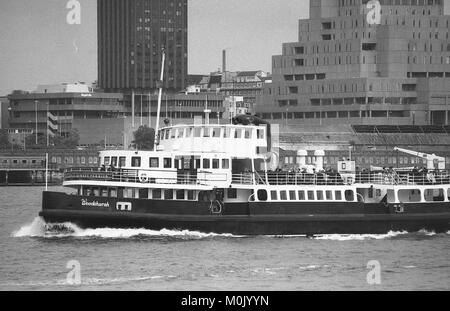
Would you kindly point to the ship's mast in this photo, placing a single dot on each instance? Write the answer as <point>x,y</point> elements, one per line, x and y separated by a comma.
<point>159,98</point>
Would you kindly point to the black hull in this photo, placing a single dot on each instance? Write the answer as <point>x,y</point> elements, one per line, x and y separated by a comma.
<point>248,219</point>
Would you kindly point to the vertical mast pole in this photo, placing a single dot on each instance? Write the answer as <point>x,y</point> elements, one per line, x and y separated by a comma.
<point>159,97</point>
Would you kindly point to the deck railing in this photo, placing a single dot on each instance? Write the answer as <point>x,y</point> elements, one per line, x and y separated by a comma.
<point>260,178</point>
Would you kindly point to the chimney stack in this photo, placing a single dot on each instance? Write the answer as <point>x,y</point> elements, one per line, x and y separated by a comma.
<point>224,59</point>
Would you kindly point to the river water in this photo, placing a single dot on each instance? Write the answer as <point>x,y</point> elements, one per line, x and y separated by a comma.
<point>39,256</point>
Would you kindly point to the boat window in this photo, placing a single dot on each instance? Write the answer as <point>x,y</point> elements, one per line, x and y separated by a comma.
<point>162,134</point>
<point>135,161</point>
<point>113,192</point>
<point>329,195</point>
<point>189,131</point>
<point>95,192</point>
<point>86,191</point>
<point>180,194</point>
<point>128,193</point>
<point>283,195</point>
<point>301,195</point>
<point>225,164</point>
<point>156,194</point>
<point>434,195</point>
<point>120,192</point>
<point>206,163</point>
<point>107,161</point>
<point>143,193</point>
<point>262,195</point>
<point>198,132</point>
<point>215,163</point>
<point>349,195</point>
<point>311,195</point>
<point>232,193</point>
<point>114,161</point>
<point>227,132</point>
<point>237,133</point>
<point>216,132</point>
<point>273,195</point>
<point>338,195</point>
<point>448,194</point>
<point>190,195</point>
<point>197,163</point>
<point>168,194</point>
<point>154,162</point>
<point>206,132</point>
<point>248,134</point>
<point>180,133</point>
<point>104,192</point>
<point>122,161</point>
<point>167,134</point>
<point>409,195</point>
<point>167,163</point>
<point>320,195</point>
<point>370,193</point>
<point>292,195</point>
<point>378,192</point>
<point>260,134</point>
<point>172,133</point>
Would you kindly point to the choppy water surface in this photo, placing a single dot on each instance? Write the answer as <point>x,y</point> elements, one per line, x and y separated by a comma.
<point>34,256</point>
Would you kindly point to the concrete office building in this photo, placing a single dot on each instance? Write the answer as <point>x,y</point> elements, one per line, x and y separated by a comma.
<point>386,62</point>
<point>4,113</point>
<point>131,36</point>
<point>55,107</point>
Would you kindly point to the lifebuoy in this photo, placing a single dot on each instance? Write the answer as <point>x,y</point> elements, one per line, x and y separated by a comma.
<point>143,178</point>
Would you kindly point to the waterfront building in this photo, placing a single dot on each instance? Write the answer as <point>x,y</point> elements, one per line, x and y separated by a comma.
<point>52,109</point>
<point>4,112</point>
<point>356,64</point>
<point>131,37</point>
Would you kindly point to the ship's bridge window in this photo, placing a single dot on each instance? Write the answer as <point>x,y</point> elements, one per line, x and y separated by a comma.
<point>349,195</point>
<point>301,195</point>
<point>135,161</point>
<point>122,161</point>
<point>167,163</point>
<point>107,161</point>
<point>215,163</point>
<point>206,163</point>
<point>283,195</point>
<point>225,164</point>
<point>262,195</point>
<point>154,162</point>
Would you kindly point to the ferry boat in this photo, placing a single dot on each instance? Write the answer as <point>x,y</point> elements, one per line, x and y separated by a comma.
<point>220,178</point>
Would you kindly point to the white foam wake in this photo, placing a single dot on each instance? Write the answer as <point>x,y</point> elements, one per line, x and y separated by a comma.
<point>359,237</point>
<point>38,228</point>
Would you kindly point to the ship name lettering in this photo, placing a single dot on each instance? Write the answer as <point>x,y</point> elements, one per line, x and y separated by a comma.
<point>85,202</point>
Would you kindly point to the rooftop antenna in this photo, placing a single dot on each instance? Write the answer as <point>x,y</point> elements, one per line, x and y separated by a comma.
<point>159,97</point>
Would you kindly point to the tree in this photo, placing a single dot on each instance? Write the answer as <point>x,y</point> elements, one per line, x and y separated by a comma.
<point>70,141</point>
<point>144,138</point>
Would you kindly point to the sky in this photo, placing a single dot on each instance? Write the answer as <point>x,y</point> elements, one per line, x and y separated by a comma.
<point>38,46</point>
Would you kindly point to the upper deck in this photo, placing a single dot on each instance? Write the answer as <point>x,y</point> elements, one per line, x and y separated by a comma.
<point>242,141</point>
